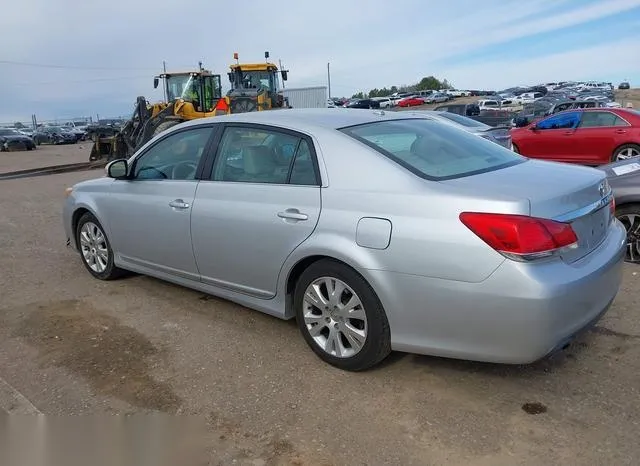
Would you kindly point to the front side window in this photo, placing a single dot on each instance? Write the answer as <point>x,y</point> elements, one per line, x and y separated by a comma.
<point>433,150</point>
<point>175,157</point>
<point>568,120</point>
<point>253,155</point>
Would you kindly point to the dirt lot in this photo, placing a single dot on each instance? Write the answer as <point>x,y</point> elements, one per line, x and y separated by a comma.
<point>44,156</point>
<point>70,344</point>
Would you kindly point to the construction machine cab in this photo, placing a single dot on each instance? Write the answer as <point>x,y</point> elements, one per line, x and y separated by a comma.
<point>201,88</point>
<point>255,86</point>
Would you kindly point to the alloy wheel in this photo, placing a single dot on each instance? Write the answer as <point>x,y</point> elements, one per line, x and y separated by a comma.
<point>631,223</point>
<point>335,317</point>
<point>93,245</point>
<point>627,153</point>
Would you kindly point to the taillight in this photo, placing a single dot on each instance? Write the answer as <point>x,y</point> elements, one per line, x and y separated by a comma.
<point>612,206</point>
<point>520,237</point>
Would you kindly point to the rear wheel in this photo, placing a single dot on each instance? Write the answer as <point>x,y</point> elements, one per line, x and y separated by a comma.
<point>340,316</point>
<point>625,152</point>
<point>629,216</point>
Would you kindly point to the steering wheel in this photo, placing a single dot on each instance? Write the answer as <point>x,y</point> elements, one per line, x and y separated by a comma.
<point>180,172</point>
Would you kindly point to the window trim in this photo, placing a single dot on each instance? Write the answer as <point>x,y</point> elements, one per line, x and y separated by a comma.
<point>518,159</point>
<point>206,152</point>
<point>207,174</point>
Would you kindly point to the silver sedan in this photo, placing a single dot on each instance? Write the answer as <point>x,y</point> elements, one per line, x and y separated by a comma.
<point>377,231</point>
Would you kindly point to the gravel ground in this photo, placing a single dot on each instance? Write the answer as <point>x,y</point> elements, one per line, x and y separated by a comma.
<point>70,344</point>
<point>45,155</point>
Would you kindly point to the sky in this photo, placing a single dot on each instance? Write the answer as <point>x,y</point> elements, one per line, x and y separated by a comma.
<point>93,59</point>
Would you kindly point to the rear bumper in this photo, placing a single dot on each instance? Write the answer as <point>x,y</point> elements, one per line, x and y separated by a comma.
<point>520,314</point>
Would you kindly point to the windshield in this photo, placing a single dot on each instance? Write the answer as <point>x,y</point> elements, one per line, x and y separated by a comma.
<point>177,86</point>
<point>433,150</point>
<point>265,80</point>
<point>464,121</point>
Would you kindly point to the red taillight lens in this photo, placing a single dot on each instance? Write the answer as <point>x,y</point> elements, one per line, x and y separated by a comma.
<point>612,206</point>
<point>519,234</point>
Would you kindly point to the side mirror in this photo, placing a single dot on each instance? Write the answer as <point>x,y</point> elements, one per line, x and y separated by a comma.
<point>284,75</point>
<point>230,77</point>
<point>521,122</point>
<point>117,169</point>
<point>156,81</point>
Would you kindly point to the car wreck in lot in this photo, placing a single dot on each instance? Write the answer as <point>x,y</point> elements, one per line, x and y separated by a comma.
<point>11,139</point>
<point>624,178</point>
<point>375,230</point>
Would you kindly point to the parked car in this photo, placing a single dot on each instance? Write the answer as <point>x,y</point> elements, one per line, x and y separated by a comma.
<point>10,139</point>
<point>384,102</point>
<point>54,135</point>
<point>376,231</point>
<point>624,85</point>
<point>362,103</point>
<point>500,135</point>
<point>437,97</point>
<point>412,101</point>
<point>491,117</point>
<point>624,179</point>
<point>592,136</point>
<point>541,108</point>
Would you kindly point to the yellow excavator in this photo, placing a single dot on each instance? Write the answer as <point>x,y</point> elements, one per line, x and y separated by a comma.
<point>255,86</point>
<point>188,95</point>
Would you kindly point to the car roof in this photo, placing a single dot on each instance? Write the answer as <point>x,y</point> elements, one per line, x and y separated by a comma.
<point>307,118</point>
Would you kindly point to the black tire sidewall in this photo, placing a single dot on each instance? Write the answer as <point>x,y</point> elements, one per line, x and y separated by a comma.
<point>377,345</point>
<point>109,272</point>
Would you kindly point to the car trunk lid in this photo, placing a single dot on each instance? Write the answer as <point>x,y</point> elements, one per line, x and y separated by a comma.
<point>573,194</point>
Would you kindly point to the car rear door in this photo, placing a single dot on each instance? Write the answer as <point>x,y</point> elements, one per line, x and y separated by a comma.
<point>260,202</point>
<point>597,136</point>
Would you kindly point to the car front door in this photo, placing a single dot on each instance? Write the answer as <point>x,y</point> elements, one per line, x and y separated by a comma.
<point>150,213</point>
<point>597,136</point>
<point>262,200</point>
<point>552,138</point>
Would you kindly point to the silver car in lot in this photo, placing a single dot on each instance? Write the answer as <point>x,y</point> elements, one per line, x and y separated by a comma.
<point>376,230</point>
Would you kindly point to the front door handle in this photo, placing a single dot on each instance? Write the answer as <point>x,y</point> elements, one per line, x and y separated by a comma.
<point>293,214</point>
<point>621,131</point>
<point>179,204</point>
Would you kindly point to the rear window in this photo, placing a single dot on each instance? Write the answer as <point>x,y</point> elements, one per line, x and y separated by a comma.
<point>432,150</point>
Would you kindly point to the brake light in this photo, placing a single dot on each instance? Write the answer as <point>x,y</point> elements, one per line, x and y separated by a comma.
<point>612,206</point>
<point>520,237</point>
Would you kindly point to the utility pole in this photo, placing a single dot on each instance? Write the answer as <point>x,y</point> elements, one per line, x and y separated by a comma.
<point>329,78</point>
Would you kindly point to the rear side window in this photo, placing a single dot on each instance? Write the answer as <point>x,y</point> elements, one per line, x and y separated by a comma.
<point>432,150</point>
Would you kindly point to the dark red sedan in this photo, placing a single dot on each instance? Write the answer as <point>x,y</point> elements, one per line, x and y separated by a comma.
<point>592,136</point>
<point>412,101</point>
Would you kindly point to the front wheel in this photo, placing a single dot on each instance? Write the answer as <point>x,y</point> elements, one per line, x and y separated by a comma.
<point>629,216</point>
<point>340,316</point>
<point>95,249</point>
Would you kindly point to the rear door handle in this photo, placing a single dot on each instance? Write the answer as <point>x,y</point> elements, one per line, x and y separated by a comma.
<point>179,204</point>
<point>293,214</point>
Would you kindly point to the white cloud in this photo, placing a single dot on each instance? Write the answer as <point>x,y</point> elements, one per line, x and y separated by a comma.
<point>370,43</point>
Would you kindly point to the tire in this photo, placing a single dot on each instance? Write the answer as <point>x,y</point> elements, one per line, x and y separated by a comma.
<point>625,151</point>
<point>165,125</point>
<point>106,270</point>
<point>629,216</point>
<point>374,327</point>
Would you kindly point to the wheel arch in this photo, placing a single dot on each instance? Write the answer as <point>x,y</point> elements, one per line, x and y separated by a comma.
<point>628,143</point>
<point>303,261</point>
<point>76,215</point>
